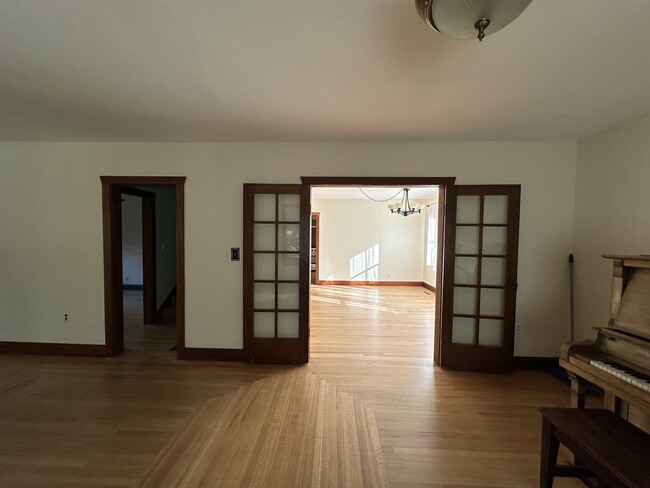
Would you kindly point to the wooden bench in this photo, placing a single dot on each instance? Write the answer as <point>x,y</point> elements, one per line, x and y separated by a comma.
<point>607,448</point>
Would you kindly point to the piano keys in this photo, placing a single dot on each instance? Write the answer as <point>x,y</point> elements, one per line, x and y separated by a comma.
<point>625,373</point>
<point>616,358</point>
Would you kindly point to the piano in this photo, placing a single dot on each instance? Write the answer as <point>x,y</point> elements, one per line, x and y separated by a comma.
<point>616,358</point>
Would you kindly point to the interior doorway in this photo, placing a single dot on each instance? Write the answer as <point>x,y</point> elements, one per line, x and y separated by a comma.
<point>398,183</point>
<point>377,272</point>
<point>155,288</point>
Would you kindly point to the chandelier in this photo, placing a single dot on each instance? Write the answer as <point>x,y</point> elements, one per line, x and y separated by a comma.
<point>404,208</point>
<point>466,19</point>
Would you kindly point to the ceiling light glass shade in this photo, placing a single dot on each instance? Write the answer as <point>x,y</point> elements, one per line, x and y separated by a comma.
<point>460,19</point>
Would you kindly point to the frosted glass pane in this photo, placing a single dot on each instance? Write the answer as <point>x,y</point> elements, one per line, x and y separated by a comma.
<point>264,207</point>
<point>462,330</point>
<point>492,301</point>
<point>289,237</point>
<point>263,266</point>
<point>464,300</point>
<point>264,237</point>
<point>288,268</point>
<point>489,332</point>
<point>264,324</point>
<point>264,295</point>
<point>468,209</point>
<point>288,295</point>
<point>466,271</point>
<point>288,325</point>
<point>289,208</point>
<point>493,271</point>
<point>467,240</point>
<point>495,209</point>
<point>494,240</point>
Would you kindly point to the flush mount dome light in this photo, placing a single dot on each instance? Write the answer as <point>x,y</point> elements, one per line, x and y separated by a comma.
<point>467,19</point>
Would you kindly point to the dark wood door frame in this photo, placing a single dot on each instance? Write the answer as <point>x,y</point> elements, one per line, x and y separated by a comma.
<point>112,188</point>
<point>148,251</point>
<point>412,182</point>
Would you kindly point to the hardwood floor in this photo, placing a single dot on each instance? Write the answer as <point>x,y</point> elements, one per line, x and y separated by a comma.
<point>370,409</point>
<point>146,339</point>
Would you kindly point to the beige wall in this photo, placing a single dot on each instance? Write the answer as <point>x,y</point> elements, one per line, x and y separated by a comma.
<point>51,245</point>
<point>429,273</point>
<point>350,228</point>
<point>612,213</point>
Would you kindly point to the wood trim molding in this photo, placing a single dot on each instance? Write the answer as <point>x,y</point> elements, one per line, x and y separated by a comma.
<point>210,354</point>
<point>429,287</point>
<point>53,349</point>
<point>371,283</point>
<point>533,362</point>
<point>410,181</point>
<point>142,180</point>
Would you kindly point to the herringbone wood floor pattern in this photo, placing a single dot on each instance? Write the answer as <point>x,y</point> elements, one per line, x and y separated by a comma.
<point>370,409</point>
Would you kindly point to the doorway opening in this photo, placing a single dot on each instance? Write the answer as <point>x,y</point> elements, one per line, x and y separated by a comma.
<point>374,292</point>
<point>365,267</point>
<point>144,288</point>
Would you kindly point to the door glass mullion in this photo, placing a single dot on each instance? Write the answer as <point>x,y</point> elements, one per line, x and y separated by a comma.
<point>477,321</point>
<point>277,257</point>
<point>275,248</point>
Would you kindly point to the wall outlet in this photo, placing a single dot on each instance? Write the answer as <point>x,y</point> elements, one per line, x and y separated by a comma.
<point>66,317</point>
<point>518,327</point>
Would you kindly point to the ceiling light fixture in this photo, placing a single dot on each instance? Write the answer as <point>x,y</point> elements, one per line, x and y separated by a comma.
<point>466,19</point>
<point>404,208</point>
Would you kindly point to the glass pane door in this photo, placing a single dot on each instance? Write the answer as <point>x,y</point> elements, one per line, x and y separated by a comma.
<point>275,274</point>
<point>480,280</point>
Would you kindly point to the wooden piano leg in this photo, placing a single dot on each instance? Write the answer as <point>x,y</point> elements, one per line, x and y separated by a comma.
<point>616,404</point>
<point>577,392</point>
<point>578,395</point>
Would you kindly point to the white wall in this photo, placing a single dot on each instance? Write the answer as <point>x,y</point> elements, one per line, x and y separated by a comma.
<point>350,231</point>
<point>131,240</point>
<point>51,247</point>
<point>429,273</point>
<point>612,213</point>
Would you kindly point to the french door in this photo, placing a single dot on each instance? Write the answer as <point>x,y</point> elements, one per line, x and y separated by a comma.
<point>276,273</point>
<point>479,277</point>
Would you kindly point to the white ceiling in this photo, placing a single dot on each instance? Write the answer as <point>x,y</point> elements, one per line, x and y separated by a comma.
<point>299,70</point>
